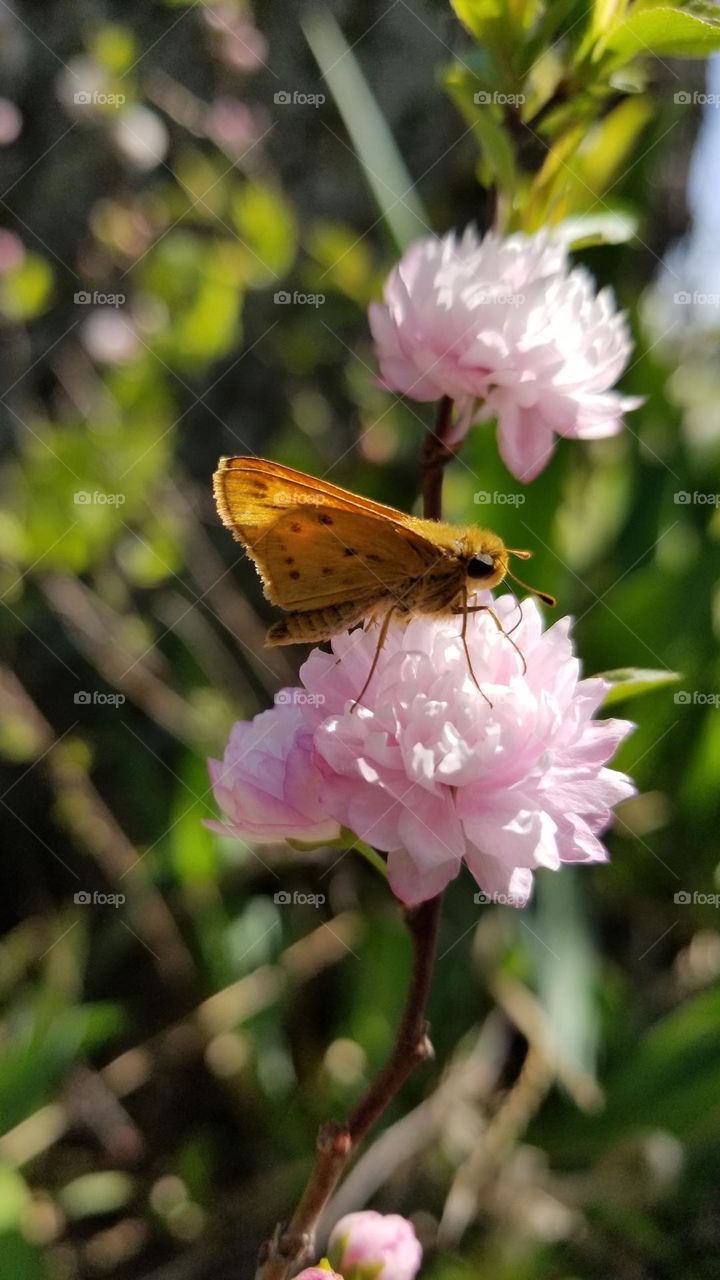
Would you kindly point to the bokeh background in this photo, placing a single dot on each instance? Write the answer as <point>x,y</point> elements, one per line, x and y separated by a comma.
<point>172,174</point>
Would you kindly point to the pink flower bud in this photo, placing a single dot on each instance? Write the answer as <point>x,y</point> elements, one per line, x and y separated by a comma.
<point>381,1246</point>
<point>318,1273</point>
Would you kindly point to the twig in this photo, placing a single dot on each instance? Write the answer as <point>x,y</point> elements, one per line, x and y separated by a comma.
<point>435,455</point>
<point>294,1244</point>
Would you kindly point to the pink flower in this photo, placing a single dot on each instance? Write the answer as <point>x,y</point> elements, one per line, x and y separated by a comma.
<point>428,771</point>
<point>428,768</point>
<point>267,784</point>
<point>509,330</point>
<point>318,1273</point>
<point>372,1244</point>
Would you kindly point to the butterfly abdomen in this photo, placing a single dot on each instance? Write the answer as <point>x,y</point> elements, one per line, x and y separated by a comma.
<point>311,626</point>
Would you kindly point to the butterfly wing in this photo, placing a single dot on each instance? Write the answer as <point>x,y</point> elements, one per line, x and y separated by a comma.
<point>313,543</point>
<point>321,555</point>
<point>251,493</point>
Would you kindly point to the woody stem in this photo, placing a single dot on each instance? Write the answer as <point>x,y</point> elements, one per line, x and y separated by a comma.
<point>294,1243</point>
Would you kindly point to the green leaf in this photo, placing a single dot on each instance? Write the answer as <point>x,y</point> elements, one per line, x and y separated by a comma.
<point>631,682</point>
<point>92,1194</point>
<point>665,31</point>
<point>587,230</point>
<point>477,14</point>
<point>14,1198</point>
<point>486,120</point>
<point>383,165</point>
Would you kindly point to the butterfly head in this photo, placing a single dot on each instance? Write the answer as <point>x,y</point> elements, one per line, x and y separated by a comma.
<point>487,563</point>
<point>486,559</point>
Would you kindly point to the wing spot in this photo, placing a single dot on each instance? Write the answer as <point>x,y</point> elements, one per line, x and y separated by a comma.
<point>289,559</point>
<point>372,555</point>
<point>349,551</point>
<point>326,572</point>
<point>295,527</point>
<point>326,519</point>
<point>295,573</point>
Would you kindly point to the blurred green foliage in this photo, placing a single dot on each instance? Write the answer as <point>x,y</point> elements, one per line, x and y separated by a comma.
<point>169,202</point>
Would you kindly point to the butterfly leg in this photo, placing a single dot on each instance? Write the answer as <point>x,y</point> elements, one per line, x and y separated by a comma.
<point>463,636</point>
<point>485,608</point>
<point>378,650</point>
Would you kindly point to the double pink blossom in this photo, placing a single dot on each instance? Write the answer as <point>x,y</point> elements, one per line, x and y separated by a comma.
<point>509,330</point>
<point>429,768</point>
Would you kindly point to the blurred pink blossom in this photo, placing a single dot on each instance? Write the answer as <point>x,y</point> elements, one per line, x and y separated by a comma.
<point>383,1246</point>
<point>239,43</point>
<point>11,122</point>
<point>428,768</point>
<point>509,330</point>
<point>234,126</point>
<point>110,338</point>
<point>12,251</point>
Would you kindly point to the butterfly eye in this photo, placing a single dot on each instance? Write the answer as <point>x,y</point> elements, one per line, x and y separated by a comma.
<point>482,566</point>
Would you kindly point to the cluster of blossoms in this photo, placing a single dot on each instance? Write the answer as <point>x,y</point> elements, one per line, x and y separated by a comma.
<point>370,1246</point>
<point>430,769</point>
<point>508,330</point>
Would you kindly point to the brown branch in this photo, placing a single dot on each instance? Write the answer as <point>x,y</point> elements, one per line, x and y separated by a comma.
<point>293,1244</point>
<point>434,458</point>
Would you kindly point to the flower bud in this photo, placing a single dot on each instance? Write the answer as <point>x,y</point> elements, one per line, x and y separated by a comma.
<point>375,1246</point>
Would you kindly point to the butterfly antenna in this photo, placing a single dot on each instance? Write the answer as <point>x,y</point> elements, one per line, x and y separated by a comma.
<point>541,595</point>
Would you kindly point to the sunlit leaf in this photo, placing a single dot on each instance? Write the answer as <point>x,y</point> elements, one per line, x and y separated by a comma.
<point>631,682</point>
